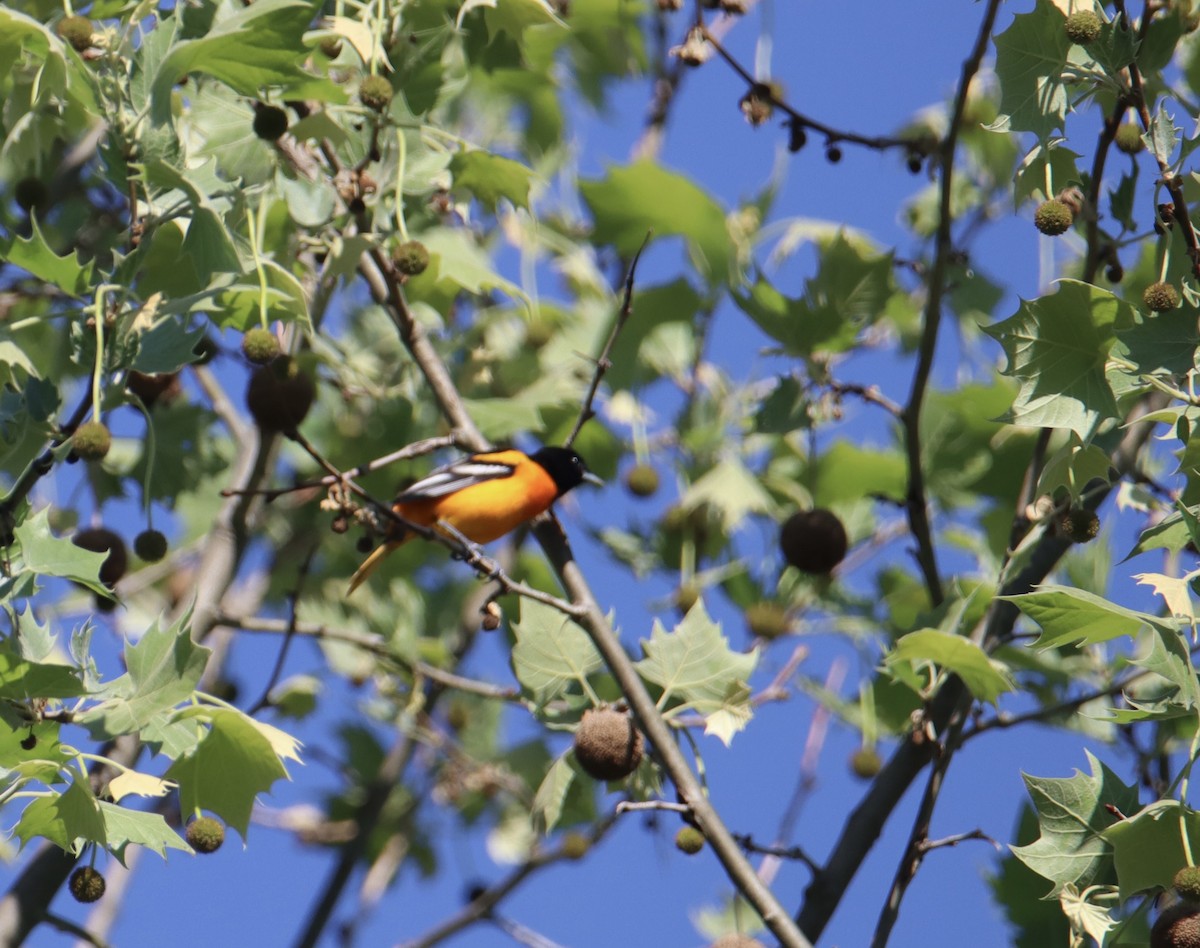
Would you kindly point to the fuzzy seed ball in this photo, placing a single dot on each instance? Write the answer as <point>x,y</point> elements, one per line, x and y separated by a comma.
<point>1053,217</point>
<point>575,845</point>
<point>1129,138</point>
<point>76,30</point>
<point>865,763</point>
<point>1079,525</point>
<point>642,480</point>
<point>270,122</point>
<point>86,884</point>
<point>1187,884</point>
<point>103,540</point>
<point>767,620</point>
<point>260,346</point>
<point>1083,27</point>
<point>1114,273</point>
<point>689,840</point>
<point>607,745</point>
<point>410,257</point>
<point>833,154</point>
<point>813,541</point>
<point>92,440</point>
<point>375,92</point>
<point>205,835</point>
<point>150,546</point>
<point>280,394</point>
<point>1177,927</point>
<point>1160,297</point>
<point>30,193</point>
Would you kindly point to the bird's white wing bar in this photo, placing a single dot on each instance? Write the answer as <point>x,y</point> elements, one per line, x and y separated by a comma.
<point>454,477</point>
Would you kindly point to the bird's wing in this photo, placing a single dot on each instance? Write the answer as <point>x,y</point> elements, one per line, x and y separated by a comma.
<point>455,477</point>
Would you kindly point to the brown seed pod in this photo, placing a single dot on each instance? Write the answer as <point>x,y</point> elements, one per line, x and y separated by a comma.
<point>103,540</point>
<point>607,745</point>
<point>813,540</point>
<point>280,394</point>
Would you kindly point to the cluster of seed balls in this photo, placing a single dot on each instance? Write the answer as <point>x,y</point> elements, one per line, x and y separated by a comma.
<point>1056,215</point>
<point>1179,925</point>
<point>204,835</point>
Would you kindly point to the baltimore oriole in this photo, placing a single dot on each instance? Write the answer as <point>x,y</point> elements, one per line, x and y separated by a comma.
<point>483,497</point>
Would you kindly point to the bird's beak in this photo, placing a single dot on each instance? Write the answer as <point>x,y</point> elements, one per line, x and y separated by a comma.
<point>592,479</point>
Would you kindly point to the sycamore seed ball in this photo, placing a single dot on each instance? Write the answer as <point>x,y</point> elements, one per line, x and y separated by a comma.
<point>865,763</point>
<point>31,193</point>
<point>103,540</point>
<point>767,620</point>
<point>1079,525</point>
<point>86,884</point>
<point>150,546</point>
<point>575,845</point>
<point>1177,927</point>
<point>689,840</point>
<point>1129,138</point>
<point>76,30</point>
<point>410,257</point>
<point>92,440</point>
<point>607,745</point>
<point>1160,297</point>
<point>642,480</point>
<point>375,92</point>
<point>260,346</point>
<point>1083,27</point>
<point>270,122</point>
<point>280,394</point>
<point>205,835</point>
<point>1187,884</point>
<point>1053,217</point>
<point>813,541</point>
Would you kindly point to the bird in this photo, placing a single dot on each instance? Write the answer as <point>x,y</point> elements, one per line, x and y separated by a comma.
<point>482,497</point>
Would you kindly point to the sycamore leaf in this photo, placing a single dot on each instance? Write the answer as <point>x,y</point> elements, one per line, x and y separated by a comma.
<point>1073,815</point>
<point>642,197</point>
<point>230,766</point>
<point>21,680</point>
<point>551,794</point>
<point>491,177</point>
<point>1073,467</point>
<point>133,783</point>
<point>1030,59</point>
<point>1070,616</point>
<point>34,255</point>
<point>553,656</point>
<point>70,819</point>
<point>731,489</point>
<point>1176,592</point>
<point>986,677</point>
<point>1170,659</point>
<point>164,667</point>
<point>510,16</point>
<point>695,668</point>
<point>123,826</point>
<point>1057,347</point>
<point>1148,847</point>
<point>1085,916</point>
<point>48,555</point>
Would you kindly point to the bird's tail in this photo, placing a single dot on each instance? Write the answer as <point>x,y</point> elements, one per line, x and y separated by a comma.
<point>371,563</point>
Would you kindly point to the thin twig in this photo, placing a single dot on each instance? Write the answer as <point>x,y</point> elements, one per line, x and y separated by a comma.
<point>778,852</point>
<point>586,413</point>
<point>955,839</point>
<point>293,605</point>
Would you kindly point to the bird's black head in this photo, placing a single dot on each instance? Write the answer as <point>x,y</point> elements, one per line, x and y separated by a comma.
<point>566,468</point>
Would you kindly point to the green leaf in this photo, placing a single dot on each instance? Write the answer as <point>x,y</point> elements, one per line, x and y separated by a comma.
<point>47,555</point>
<point>1163,134</point>
<point>695,668</point>
<point>1030,59</point>
<point>552,793</point>
<point>257,47</point>
<point>164,667</point>
<point>1157,346</point>
<point>69,819</point>
<point>1031,176</point>
<point>631,201</point>
<point>123,826</point>
<point>850,291</point>
<point>1070,616</point>
<point>491,177</point>
<point>230,766</point>
<point>1073,816</point>
<point>21,680</point>
<point>1057,346</point>
<point>1169,659</point>
<point>1074,467</point>
<point>15,732</point>
<point>731,489</point>
<point>986,678</point>
<point>167,346</point>
<point>552,654</point>
<point>34,254</point>
<point>511,16</point>
<point>1148,847</point>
